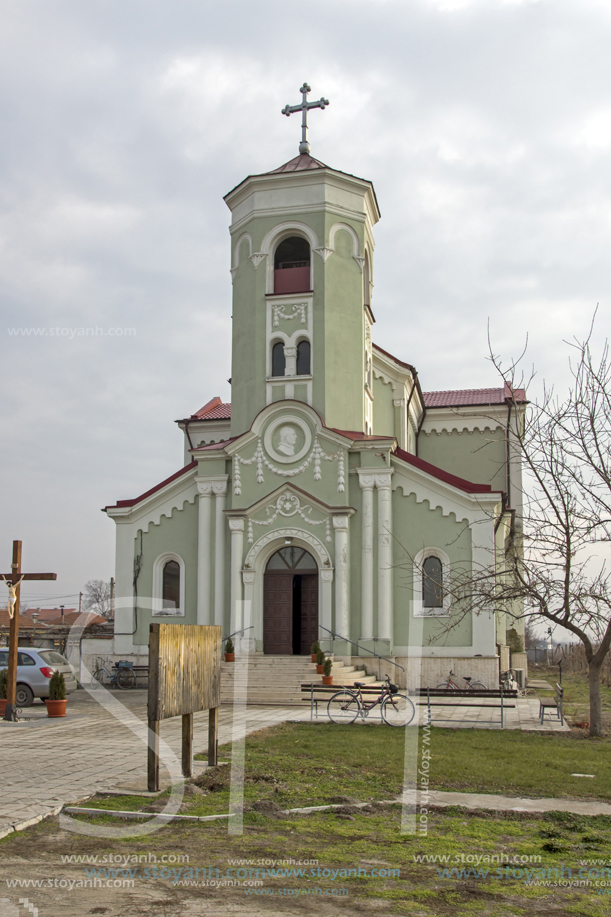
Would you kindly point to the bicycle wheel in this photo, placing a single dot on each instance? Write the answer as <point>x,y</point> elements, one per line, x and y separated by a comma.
<point>398,710</point>
<point>478,686</point>
<point>343,707</point>
<point>97,677</point>
<point>126,678</point>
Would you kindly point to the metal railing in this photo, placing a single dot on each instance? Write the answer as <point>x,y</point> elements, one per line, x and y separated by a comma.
<point>364,648</point>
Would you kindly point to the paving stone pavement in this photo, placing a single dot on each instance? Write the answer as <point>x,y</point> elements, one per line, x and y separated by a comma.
<point>48,763</point>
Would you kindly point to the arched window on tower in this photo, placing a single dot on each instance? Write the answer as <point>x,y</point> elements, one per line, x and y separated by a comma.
<point>171,585</point>
<point>292,266</point>
<point>278,359</point>
<point>303,358</point>
<point>432,583</point>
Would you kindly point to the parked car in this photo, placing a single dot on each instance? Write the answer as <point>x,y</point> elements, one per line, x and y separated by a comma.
<point>34,671</point>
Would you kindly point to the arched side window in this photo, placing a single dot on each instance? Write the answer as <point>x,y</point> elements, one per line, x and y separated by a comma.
<point>431,579</point>
<point>432,582</point>
<point>303,358</point>
<point>292,266</point>
<point>278,359</point>
<point>169,586</point>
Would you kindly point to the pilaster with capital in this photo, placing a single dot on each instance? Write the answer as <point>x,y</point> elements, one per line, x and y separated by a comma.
<point>236,527</point>
<point>203,551</point>
<point>367,483</point>
<point>220,494</point>
<point>385,570</point>
<point>342,585</point>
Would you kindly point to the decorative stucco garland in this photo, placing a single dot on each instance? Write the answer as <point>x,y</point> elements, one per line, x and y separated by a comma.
<point>315,455</point>
<point>299,309</point>
<point>288,505</point>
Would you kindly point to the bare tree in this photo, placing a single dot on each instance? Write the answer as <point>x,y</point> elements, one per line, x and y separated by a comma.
<point>97,597</point>
<point>553,564</point>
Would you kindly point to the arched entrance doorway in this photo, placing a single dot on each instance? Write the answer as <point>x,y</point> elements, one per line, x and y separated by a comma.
<point>290,602</point>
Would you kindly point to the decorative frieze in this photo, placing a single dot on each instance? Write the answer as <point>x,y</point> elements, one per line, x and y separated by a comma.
<point>316,456</point>
<point>288,505</point>
<point>299,310</point>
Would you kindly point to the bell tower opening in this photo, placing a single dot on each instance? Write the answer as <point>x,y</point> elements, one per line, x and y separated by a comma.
<point>292,266</point>
<point>290,603</point>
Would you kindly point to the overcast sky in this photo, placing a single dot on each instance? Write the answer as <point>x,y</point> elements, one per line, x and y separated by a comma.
<point>485,126</point>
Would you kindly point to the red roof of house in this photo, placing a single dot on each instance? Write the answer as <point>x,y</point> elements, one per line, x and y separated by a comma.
<point>469,397</point>
<point>24,622</point>
<point>45,614</point>
<point>468,486</point>
<point>53,616</point>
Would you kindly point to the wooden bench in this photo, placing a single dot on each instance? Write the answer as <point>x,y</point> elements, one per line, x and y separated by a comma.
<point>553,705</point>
<point>451,697</point>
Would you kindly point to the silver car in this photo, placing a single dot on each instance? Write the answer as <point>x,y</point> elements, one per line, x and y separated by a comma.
<point>34,671</point>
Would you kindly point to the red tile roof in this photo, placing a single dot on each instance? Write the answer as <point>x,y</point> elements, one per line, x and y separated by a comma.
<point>215,409</point>
<point>366,437</point>
<point>147,493</point>
<point>53,616</point>
<point>468,486</point>
<point>469,397</point>
<point>24,622</point>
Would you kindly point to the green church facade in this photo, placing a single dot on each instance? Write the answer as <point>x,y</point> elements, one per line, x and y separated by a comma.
<point>333,499</point>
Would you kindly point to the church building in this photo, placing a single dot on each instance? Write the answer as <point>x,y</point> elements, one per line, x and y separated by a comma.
<point>333,499</point>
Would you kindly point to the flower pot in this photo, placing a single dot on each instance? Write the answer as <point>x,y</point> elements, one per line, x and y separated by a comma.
<point>2,705</point>
<point>56,707</point>
<point>229,657</point>
<point>319,669</point>
<point>327,679</point>
<point>313,657</point>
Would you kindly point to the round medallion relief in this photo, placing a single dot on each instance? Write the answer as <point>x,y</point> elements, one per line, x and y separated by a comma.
<point>287,439</point>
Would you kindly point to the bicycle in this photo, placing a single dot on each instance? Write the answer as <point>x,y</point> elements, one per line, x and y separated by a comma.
<point>124,677</point>
<point>396,709</point>
<point>450,685</point>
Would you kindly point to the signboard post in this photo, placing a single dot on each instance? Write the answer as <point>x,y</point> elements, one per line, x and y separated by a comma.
<point>184,677</point>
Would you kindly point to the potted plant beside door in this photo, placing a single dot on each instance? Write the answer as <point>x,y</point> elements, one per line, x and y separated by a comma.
<point>56,701</point>
<point>229,650</point>
<point>327,677</point>
<point>3,690</point>
<point>314,650</point>
<point>320,661</point>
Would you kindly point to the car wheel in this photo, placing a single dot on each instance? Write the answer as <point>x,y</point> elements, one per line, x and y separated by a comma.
<point>24,696</point>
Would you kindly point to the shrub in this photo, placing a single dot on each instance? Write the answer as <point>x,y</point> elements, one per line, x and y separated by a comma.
<point>514,641</point>
<point>320,657</point>
<point>314,648</point>
<point>327,666</point>
<point>3,683</point>
<point>229,645</point>
<point>57,687</point>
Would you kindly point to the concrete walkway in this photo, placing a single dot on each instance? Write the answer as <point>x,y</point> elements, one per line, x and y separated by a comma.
<point>505,803</point>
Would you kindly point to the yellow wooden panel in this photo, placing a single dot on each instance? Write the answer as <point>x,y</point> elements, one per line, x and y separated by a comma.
<point>184,669</point>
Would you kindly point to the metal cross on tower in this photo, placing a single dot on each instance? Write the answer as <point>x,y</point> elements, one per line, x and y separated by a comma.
<point>304,146</point>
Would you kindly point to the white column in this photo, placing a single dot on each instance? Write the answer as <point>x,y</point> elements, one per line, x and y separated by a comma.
<point>220,493</point>
<point>367,482</point>
<point>326,603</point>
<point>483,625</point>
<point>385,572</point>
<point>203,552</point>
<point>236,527</point>
<point>342,585</point>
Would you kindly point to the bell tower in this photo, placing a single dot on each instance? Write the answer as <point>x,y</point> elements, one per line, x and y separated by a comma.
<point>301,262</point>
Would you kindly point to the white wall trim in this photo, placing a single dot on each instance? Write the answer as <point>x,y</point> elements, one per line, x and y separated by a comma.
<point>157,603</point>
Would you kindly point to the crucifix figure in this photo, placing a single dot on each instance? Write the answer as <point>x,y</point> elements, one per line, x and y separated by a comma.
<point>304,146</point>
<point>13,580</point>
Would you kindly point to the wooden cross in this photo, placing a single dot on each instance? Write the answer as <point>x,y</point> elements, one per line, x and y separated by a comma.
<point>304,146</point>
<point>13,581</point>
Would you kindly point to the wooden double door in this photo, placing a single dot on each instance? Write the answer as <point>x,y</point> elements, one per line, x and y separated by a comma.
<point>290,603</point>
